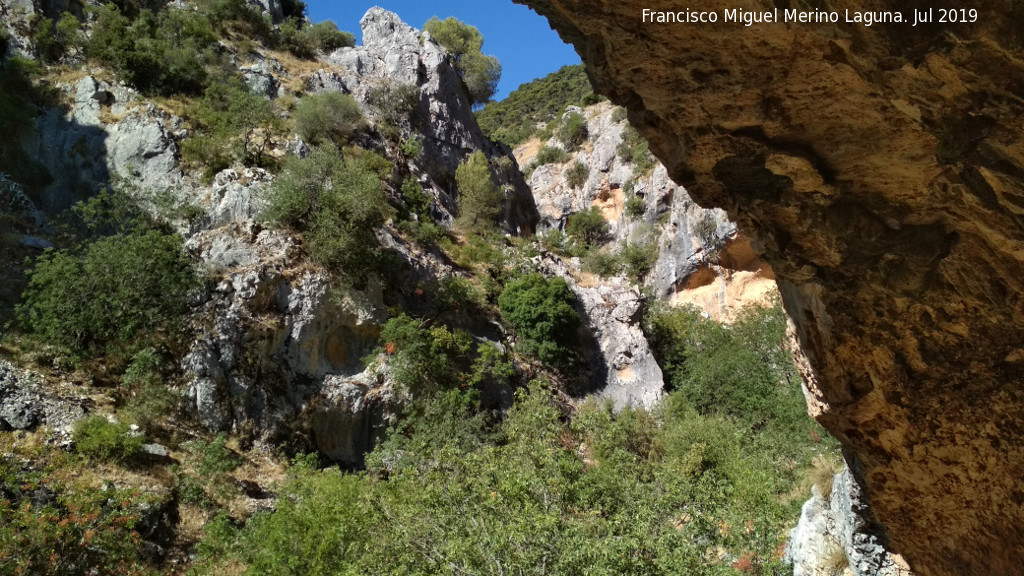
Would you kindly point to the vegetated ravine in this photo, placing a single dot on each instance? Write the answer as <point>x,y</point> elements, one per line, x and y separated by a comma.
<point>274,302</point>
<point>881,170</point>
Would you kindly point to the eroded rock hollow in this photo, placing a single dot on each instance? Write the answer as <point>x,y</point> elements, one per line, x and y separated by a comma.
<point>881,170</point>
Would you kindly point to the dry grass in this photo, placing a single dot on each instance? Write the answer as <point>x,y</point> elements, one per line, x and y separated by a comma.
<point>822,473</point>
<point>835,562</point>
<point>298,70</point>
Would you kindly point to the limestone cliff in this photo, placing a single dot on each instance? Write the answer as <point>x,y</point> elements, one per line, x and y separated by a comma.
<point>881,169</point>
<point>701,258</point>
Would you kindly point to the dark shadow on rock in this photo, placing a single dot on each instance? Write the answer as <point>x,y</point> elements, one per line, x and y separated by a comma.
<point>75,156</point>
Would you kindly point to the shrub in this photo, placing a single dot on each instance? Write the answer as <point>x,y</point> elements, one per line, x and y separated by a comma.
<point>120,293</point>
<point>416,200</point>
<point>412,147</point>
<point>479,197</point>
<point>546,155</point>
<point>215,457</point>
<point>425,358</point>
<point>52,39</point>
<point>550,155</point>
<point>150,400</point>
<point>619,114</point>
<point>634,148</point>
<point>291,37</point>
<point>328,38</point>
<point>742,370</point>
<point>393,105</point>
<point>553,240</point>
<point>95,531</point>
<point>576,176</point>
<point>639,258</point>
<point>602,263</point>
<point>463,42</point>
<point>572,131</point>
<point>96,437</point>
<point>327,116</point>
<point>588,227</point>
<point>337,203</point>
<point>233,123</point>
<point>166,53</point>
<point>303,40</point>
<point>635,206</point>
<point>542,313</point>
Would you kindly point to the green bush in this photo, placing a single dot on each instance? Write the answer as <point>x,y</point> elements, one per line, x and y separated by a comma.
<point>639,258</point>
<point>635,206</point>
<point>150,400</point>
<point>170,52</point>
<point>424,358</point>
<point>231,123</point>
<point>515,119</point>
<point>416,200</point>
<point>742,370</point>
<point>328,116</point>
<point>412,147</point>
<point>572,130</point>
<point>576,176</point>
<point>634,148</point>
<point>479,197</point>
<point>588,227</point>
<point>337,202</point>
<point>546,155</point>
<point>117,294</point>
<point>52,39</point>
<point>303,40</point>
<point>541,312</point>
<point>394,105</point>
<point>602,263</point>
<point>553,240</point>
<point>619,114</point>
<point>605,493</point>
<point>98,438</point>
<point>215,457</point>
<point>463,42</point>
<point>328,38</point>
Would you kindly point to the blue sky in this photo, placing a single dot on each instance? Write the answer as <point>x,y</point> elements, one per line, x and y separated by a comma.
<point>527,47</point>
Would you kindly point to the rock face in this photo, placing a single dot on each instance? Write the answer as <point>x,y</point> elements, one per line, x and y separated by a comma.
<point>881,171</point>
<point>395,53</point>
<point>837,535</point>
<point>105,136</point>
<point>702,259</point>
<point>620,355</point>
<point>23,405</point>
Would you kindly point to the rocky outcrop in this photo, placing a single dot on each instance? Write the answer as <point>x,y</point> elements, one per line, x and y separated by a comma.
<point>623,365</point>
<point>394,53</point>
<point>702,259</point>
<point>24,404</point>
<point>881,171</point>
<point>16,18</point>
<point>279,351</point>
<point>106,136</point>
<point>837,535</point>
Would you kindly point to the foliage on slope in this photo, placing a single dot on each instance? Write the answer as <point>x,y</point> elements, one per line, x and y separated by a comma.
<point>514,119</point>
<point>692,487</point>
